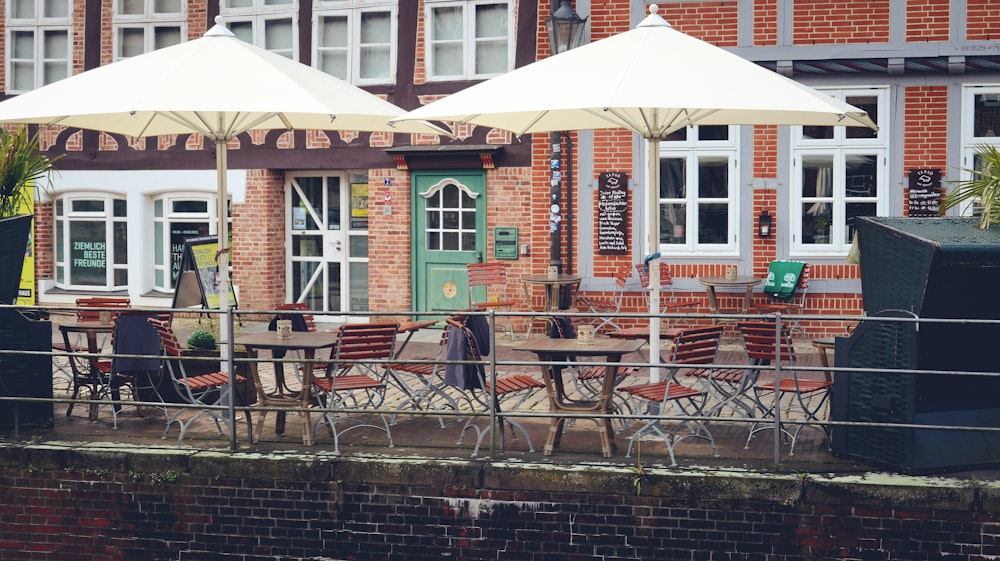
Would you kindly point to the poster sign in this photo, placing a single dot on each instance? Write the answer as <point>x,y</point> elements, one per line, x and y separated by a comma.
<point>199,263</point>
<point>26,289</point>
<point>359,206</point>
<point>925,192</point>
<point>612,213</point>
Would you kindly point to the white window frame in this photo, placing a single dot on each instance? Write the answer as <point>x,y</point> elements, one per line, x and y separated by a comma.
<point>62,266</point>
<point>257,13</point>
<point>354,11</point>
<point>469,39</point>
<point>38,26</point>
<point>692,150</point>
<point>149,22</point>
<point>970,142</point>
<point>841,148</point>
<point>162,224</point>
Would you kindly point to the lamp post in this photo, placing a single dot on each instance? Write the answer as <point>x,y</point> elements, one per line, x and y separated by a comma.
<point>565,29</point>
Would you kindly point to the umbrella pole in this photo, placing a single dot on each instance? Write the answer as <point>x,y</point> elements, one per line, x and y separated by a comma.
<point>225,321</point>
<point>654,264</point>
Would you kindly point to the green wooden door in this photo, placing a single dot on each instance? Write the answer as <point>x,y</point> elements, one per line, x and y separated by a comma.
<point>449,221</point>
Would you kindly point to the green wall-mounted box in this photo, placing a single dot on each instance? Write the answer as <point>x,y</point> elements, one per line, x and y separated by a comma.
<point>505,242</point>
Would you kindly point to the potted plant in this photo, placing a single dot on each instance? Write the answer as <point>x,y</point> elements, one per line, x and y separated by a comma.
<point>201,340</point>
<point>982,190</point>
<point>22,165</point>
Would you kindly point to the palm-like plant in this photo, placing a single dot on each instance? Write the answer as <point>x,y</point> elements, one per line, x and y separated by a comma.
<point>22,164</point>
<point>982,189</point>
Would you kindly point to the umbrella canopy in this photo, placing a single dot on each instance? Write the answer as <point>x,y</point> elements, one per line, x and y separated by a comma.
<point>652,80</point>
<point>218,86</point>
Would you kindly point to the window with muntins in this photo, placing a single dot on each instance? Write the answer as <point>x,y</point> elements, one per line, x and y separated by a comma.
<point>141,26</point>
<point>175,218</point>
<point>468,39</point>
<point>980,127</point>
<point>269,24</point>
<point>356,43</point>
<point>838,174</point>
<point>39,39</point>
<point>90,242</point>
<point>699,197</point>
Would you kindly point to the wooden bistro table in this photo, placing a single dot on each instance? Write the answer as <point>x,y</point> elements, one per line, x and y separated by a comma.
<point>715,282</point>
<point>559,350</point>
<point>306,341</point>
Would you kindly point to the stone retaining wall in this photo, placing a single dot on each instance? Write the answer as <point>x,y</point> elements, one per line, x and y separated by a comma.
<point>67,503</point>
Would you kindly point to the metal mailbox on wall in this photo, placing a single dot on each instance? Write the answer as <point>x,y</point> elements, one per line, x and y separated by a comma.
<point>505,242</point>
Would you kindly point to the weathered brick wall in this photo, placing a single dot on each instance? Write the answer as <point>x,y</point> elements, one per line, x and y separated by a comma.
<point>847,21</point>
<point>72,505</point>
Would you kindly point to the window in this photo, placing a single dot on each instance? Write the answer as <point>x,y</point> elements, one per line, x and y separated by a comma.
<point>268,24</point>
<point>141,26</point>
<point>357,45</point>
<point>175,218</point>
<point>980,126</point>
<point>38,43</point>
<point>90,242</point>
<point>838,173</point>
<point>699,197</point>
<point>468,39</point>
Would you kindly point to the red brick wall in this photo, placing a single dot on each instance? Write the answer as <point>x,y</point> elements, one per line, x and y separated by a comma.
<point>259,241</point>
<point>927,20</point>
<point>925,131</point>
<point>765,23</point>
<point>848,21</point>
<point>63,506</point>
<point>389,280</point>
<point>982,23</point>
<point>713,22</point>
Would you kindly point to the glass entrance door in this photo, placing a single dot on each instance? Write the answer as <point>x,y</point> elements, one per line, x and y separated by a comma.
<point>327,241</point>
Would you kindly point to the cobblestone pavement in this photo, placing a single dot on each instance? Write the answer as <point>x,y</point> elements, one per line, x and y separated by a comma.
<point>421,434</point>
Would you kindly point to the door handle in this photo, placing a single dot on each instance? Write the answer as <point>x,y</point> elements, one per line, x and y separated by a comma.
<point>338,245</point>
<point>479,256</point>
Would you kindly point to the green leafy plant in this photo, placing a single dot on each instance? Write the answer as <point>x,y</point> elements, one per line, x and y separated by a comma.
<point>982,190</point>
<point>201,340</point>
<point>22,164</point>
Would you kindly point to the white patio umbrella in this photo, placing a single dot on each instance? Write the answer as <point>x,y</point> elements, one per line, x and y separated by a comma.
<point>652,80</point>
<point>218,86</point>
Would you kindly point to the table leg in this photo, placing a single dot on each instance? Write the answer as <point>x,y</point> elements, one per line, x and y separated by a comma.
<point>713,303</point>
<point>307,377</point>
<point>746,300</point>
<point>280,416</point>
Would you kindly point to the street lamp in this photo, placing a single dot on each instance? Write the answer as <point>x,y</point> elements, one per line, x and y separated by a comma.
<point>565,29</point>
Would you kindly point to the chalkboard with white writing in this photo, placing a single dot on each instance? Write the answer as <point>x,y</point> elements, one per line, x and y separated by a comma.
<point>612,213</point>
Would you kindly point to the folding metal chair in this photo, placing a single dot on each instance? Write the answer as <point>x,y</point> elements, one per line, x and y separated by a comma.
<point>488,289</point>
<point>353,390</point>
<point>694,349</point>
<point>670,304</point>
<point>806,397</point>
<point>211,389</point>
<point>608,307</point>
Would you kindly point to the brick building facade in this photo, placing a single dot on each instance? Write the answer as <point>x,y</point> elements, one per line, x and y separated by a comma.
<point>924,70</point>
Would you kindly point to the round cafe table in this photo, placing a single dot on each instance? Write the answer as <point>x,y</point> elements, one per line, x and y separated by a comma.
<point>715,282</point>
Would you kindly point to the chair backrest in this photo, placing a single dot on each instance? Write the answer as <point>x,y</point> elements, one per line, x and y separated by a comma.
<point>134,335</point>
<point>622,275</point>
<point>487,274</point>
<point>801,285</point>
<point>697,346</point>
<point>300,307</point>
<point>361,342</point>
<point>761,342</point>
<point>666,275</point>
<point>168,339</point>
<point>83,313</point>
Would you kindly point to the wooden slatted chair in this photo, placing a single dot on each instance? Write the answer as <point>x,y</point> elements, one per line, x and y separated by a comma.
<point>211,389</point>
<point>513,387</point>
<point>805,397</point>
<point>791,311</point>
<point>694,349</point>
<point>426,391</point>
<point>86,312</point>
<point>667,305</point>
<point>608,307</point>
<point>488,289</point>
<point>353,389</point>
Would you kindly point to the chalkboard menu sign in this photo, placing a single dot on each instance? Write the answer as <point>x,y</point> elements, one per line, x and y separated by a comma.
<point>925,192</point>
<point>612,213</point>
<point>198,281</point>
